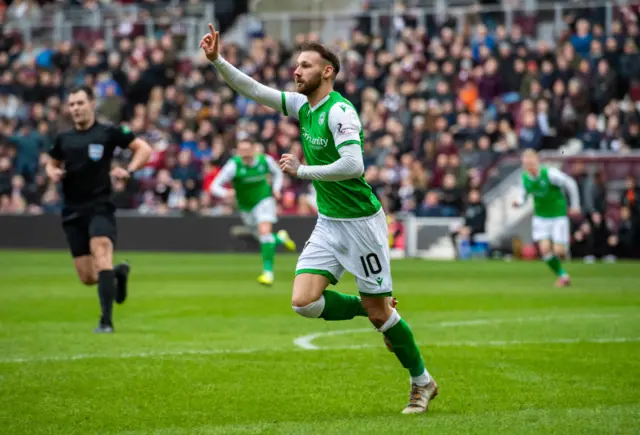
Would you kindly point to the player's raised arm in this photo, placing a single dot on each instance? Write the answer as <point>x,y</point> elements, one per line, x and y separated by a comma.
<point>560,179</point>
<point>345,127</point>
<point>236,79</point>
<point>226,174</point>
<point>522,200</point>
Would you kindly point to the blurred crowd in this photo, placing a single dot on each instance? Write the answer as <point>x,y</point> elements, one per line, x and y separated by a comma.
<point>608,227</point>
<point>439,108</point>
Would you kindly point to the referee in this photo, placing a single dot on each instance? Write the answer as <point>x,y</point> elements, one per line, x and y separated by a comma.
<point>81,159</point>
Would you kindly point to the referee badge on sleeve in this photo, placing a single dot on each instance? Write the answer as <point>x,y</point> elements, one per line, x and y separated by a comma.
<point>96,151</point>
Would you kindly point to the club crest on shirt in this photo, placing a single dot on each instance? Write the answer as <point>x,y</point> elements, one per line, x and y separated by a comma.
<point>96,151</point>
<point>322,118</point>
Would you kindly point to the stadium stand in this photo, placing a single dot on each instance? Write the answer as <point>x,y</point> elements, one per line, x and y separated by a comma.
<point>443,100</point>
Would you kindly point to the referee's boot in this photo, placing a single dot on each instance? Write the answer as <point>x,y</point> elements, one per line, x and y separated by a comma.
<point>121,272</point>
<point>104,328</point>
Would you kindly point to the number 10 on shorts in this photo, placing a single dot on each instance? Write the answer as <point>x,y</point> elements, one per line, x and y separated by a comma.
<point>371,264</point>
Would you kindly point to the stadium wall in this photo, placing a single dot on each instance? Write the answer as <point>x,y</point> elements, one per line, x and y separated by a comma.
<point>198,234</point>
<point>151,233</point>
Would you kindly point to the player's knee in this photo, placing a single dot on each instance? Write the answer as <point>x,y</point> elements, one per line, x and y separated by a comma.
<point>545,248</point>
<point>559,251</point>
<point>101,251</point>
<point>302,300</point>
<point>378,314</point>
<point>87,278</point>
<point>264,229</point>
<point>377,319</point>
<point>308,288</point>
<point>311,310</point>
<point>380,317</point>
<point>267,238</point>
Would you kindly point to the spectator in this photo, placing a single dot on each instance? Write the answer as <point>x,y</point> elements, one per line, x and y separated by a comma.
<point>581,39</point>
<point>430,206</point>
<point>603,85</point>
<point>627,236</point>
<point>430,106</point>
<point>602,242</point>
<point>29,144</point>
<point>491,82</point>
<point>485,155</point>
<point>6,175</point>
<point>595,194</point>
<point>530,134</point>
<point>544,122</point>
<point>630,197</point>
<point>475,216</point>
<point>451,200</point>
<point>591,137</point>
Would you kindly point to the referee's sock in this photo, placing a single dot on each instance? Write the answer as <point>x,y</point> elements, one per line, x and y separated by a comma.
<point>106,293</point>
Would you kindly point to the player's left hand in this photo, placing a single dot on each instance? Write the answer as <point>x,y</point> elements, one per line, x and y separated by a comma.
<point>289,164</point>
<point>210,43</point>
<point>277,195</point>
<point>574,212</point>
<point>120,172</point>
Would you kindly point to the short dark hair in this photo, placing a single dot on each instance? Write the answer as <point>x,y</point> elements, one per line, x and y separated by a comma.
<point>325,53</point>
<point>83,88</point>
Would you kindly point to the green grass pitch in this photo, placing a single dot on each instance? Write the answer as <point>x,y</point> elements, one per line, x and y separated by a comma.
<point>201,348</point>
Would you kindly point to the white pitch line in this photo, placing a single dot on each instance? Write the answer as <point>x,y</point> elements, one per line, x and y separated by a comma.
<point>497,343</point>
<point>138,355</point>
<point>205,352</point>
<point>306,341</point>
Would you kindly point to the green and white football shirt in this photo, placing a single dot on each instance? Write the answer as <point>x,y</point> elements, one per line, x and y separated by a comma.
<point>549,200</point>
<point>324,129</point>
<point>249,181</point>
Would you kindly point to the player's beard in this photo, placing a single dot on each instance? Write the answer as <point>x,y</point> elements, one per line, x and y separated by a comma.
<point>310,86</point>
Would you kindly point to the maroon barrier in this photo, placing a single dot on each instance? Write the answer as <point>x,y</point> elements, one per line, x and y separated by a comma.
<point>151,233</point>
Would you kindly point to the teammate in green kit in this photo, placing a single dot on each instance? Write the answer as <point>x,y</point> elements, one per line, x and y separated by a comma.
<point>351,232</point>
<point>256,200</point>
<point>550,223</point>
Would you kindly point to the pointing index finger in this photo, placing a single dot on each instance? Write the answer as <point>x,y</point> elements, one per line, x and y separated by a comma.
<point>212,30</point>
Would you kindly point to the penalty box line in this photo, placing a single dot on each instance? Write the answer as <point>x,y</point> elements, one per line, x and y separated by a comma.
<point>306,342</point>
<point>213,352</point>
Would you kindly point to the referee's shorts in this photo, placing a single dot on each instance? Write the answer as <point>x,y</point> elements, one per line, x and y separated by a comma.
<point>80,228</point>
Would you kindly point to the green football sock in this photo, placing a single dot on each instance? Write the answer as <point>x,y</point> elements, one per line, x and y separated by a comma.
<point>405,347</point>
<point>338,306</point>
<point>279,242</point>
<point>555,265</point>
<point>268,251</point>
